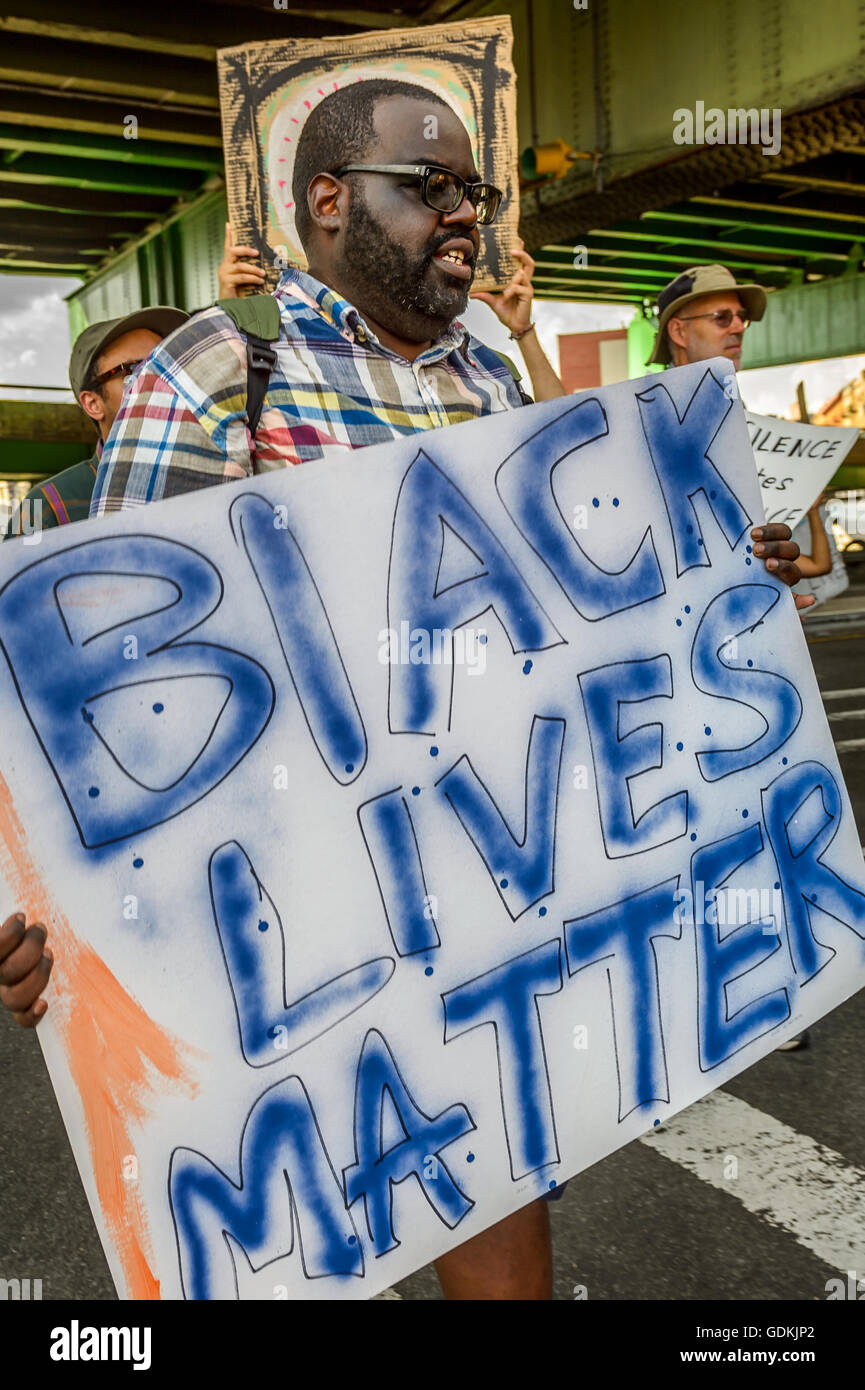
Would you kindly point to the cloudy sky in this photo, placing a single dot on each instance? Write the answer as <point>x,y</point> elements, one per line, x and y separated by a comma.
<point>34,344</point>
<point>34,334</point>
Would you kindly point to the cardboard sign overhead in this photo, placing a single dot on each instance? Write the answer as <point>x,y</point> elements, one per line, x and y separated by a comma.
<point>268,89</point>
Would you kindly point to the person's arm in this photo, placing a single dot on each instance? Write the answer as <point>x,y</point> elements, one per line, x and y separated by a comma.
<point>35,510</point>
<point>820,559</point>
<point>182,423</point>
<point>234,273</point>
<point>513,308</point>
<point>546,386</point>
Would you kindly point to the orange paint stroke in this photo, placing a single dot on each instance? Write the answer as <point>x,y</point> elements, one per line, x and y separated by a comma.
<point>114,1050</point>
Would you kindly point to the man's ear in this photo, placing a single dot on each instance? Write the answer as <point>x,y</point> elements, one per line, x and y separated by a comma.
<point>327,200</point>
<point>93,405</point>
<point>676,332</point>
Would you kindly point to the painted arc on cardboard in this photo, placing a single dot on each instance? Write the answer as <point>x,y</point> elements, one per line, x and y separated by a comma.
<point>549,841</point>
<point>267,90</point>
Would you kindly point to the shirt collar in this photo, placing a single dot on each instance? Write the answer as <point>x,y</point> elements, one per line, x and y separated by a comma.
<point>348,321</point>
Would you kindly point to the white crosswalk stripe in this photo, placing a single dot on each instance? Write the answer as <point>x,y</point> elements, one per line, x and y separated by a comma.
<point>784,1177</point>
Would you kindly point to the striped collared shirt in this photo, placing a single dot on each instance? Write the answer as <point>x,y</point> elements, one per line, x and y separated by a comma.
<point>182,424</point>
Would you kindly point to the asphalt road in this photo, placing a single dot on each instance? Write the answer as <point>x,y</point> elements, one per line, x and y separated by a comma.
<point>653,1221</point>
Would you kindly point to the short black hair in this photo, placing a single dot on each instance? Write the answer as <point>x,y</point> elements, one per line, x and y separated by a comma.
<point>339,131</point>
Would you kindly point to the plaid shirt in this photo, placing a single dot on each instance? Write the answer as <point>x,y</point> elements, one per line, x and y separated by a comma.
<point>182,424</point>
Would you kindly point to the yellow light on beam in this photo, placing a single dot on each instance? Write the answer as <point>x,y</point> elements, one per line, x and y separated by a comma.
<point>551,161</point>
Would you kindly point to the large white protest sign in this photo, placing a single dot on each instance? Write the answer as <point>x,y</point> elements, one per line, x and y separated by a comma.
<point>414,829</point>
<point>795,462</point>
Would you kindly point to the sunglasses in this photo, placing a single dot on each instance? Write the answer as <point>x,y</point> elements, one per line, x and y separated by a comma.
<point>441,189</point>
<point>722,317</point>
<point>122,369</point>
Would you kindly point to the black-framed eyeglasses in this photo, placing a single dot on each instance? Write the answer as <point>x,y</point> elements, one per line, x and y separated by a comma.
<point>122,369</point>
<point>722,317</point>
<point>440,188</point>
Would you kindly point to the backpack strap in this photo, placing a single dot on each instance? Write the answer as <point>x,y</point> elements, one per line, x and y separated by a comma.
<point>257,318</point>
<point>515,373</point>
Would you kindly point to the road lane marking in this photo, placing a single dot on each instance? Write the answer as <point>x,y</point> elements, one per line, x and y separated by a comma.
<point>842,694</point>
<point>847,745</point>
<point>787,1178</point>
<point>846,714</point>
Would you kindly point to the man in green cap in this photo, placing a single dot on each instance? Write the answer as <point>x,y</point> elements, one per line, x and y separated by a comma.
<point>103,356</point>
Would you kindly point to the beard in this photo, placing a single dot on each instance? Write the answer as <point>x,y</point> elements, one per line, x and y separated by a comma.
<point>397,289</point>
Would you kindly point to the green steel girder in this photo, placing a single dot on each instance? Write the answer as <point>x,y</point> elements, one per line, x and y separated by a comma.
<point>74,145</point>
<point>853,190</point>
<point>100,68</point>
<point>682,213</point>
<point>68,228</point>
<point>36,106</point>
<point>594,245</point>
<point>16,249</point>
<point>808,322</point>
<point>624,232</point>
<point>33,267</point>
<point>607,285</point>
<point>113,178</point>
<point>81,201</point>
<point>592,296</point>
<point>162,26</point>
<point>574,273</point>
<point>785,209</point>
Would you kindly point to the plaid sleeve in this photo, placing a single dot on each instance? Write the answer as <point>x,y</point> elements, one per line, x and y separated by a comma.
<point>182,424</point>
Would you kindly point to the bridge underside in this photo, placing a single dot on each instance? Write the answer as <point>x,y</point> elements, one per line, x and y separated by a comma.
<point>139,219</point>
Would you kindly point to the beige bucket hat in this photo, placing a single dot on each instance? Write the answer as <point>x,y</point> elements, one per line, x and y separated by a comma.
<point>699,280</point>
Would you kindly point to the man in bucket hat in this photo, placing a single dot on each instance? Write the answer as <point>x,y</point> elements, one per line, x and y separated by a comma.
<point>703,313</point>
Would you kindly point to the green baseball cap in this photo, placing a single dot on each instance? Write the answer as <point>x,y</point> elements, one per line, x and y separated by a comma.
<point>94,340</point>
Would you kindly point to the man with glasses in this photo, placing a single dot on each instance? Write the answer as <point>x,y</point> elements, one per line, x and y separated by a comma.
<point>703,313</point>
<point>103,357</point>
<point>370,347</point>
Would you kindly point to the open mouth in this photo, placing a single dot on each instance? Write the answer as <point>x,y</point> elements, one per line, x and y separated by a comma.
<point>454,262</point>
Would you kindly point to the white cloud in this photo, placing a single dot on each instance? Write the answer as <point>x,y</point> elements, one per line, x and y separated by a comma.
<point>34,333</point>
<point>772,390</point>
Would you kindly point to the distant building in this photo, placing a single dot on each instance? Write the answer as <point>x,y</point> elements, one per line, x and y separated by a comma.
<point>593,359</point>
<point>847,406</point>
